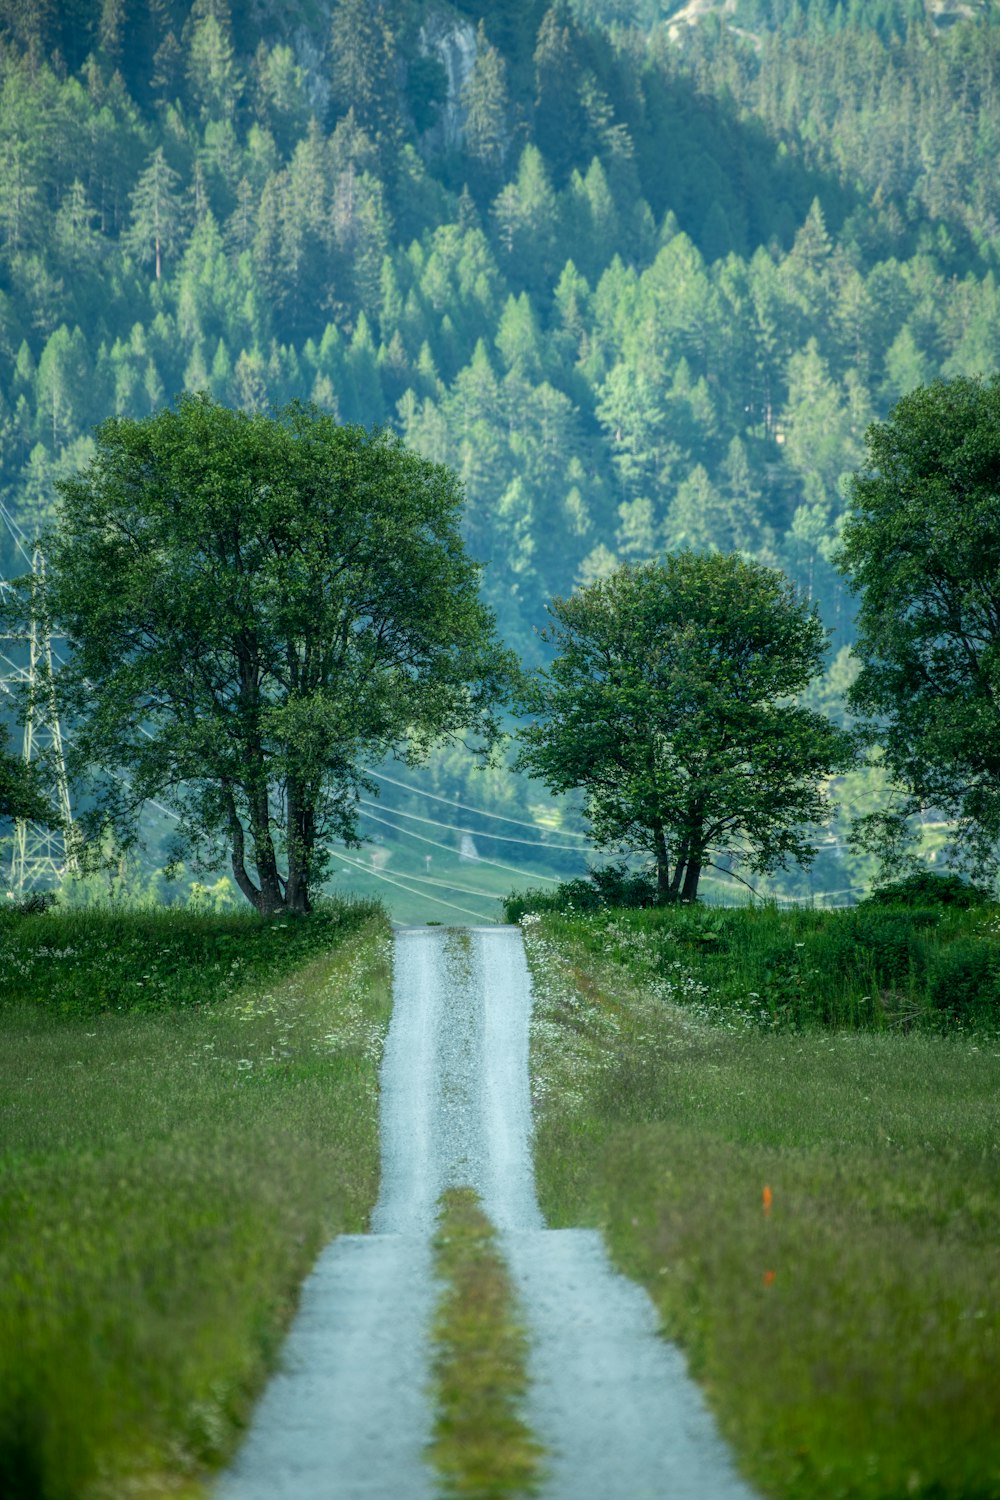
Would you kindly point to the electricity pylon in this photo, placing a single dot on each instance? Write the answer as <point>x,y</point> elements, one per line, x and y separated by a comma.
<point>39,856</point>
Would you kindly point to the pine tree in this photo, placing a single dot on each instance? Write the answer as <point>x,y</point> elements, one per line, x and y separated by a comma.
<point>78,242</point>
<point>212,71</point>
<point>363,73</point>
<point>487,108</point>
<point>561,125</point>
<point>280,92</point>
<point>157,213</point>
<point>519,338</point>
<point>110,31</point>
<point>64,385</point>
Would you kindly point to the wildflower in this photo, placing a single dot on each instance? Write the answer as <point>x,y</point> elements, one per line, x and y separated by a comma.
<point>768,1197</point>
<point>768,1278</point>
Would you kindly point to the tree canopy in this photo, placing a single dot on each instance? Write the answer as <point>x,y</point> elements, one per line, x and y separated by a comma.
<point>668,325</point>
<point>668,704</point>
<point>22,798</point>
<point>922,548</point>
<point>256,606</point>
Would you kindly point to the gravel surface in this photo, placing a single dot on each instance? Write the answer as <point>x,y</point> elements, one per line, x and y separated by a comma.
<point>350,1411</point>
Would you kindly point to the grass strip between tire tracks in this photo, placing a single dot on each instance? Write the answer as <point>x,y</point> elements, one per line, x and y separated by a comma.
<point>482,1448</point>
<point>167,1178</point>
<point>815,1214</point>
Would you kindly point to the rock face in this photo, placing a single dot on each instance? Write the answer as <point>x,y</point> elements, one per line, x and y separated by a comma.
<point>444,35</point>
<point>309,45</point>
<point>453,42</point>
<point>275,20</point>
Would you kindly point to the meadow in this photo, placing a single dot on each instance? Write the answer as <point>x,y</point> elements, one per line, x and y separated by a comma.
<point>805,1180</point>
<point>188,1112</point>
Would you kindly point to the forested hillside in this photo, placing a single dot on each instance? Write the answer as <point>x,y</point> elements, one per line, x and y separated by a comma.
<point>643,274</point>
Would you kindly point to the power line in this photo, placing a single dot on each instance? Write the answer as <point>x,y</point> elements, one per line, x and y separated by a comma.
<point>504,838</point>
<point>451,885</point>
<point>118,776</point>
<point>528,874</point>
<point>425,895</point>
<point>466,806</point>
<point>17,534</point>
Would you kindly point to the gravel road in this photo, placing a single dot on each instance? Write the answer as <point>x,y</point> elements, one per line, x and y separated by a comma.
<point>350,1411</point>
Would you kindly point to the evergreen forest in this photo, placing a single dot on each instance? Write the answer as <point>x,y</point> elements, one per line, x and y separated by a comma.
<point>642,273</point>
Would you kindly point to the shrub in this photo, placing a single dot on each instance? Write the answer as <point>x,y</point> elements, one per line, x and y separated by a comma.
<point>926,888</point>
<point>610,886</point>
<point>32,904</point>
<point>964,982</point>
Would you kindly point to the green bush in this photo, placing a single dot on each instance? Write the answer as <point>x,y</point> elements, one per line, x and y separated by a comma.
<point>600,889</point>
<point>925,888</point>
<point>963,983</point>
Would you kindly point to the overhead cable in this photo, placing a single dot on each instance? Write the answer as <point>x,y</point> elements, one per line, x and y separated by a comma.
<point>466,806</point>
<point>504,838</point>
<point>450,885</point>
<point>424,895</point>
<point>481,859</point>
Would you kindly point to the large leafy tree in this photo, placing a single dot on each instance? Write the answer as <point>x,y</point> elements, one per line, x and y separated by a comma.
<point>21,794</point>
<point>668,703</point>
<point>922,549</point>
<point>256,606</point>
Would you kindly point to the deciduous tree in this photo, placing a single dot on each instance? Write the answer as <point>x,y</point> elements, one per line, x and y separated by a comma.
<point>667,703</point>
<point>257,606</point>
<point>21,794</point>
<point>922,550</point>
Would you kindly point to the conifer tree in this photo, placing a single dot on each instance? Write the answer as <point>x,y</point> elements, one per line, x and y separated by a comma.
<point>157,214</point>
<point>78,241</point>
<point>213,74</point>
<point>561,125</point>
<point>363,73</point>
<point>487,105</point>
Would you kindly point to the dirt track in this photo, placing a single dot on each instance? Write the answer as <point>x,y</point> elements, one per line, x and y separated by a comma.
<point>350,1412</point>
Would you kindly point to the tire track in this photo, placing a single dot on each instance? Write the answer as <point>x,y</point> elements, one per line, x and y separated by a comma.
<point>349,1415</point>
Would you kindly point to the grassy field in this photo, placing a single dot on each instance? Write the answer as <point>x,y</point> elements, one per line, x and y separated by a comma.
<point>815,1211</point>
<point>188,1112</point>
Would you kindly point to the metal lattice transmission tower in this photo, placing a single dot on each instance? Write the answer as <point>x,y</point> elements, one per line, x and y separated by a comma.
<point>39,856</point>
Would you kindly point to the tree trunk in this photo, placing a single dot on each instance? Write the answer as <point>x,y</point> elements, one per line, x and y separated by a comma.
<point>237,856</point>
<point>301,824</point>
<point>662,863</point>
<point>679,868</point>
<point>691,877</point>
<point>243,880</point>
<point>271,896</point>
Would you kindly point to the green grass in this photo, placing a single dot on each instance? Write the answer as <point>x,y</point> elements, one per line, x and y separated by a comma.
<point>849,1339</point>
<point>81,962</point>
<point>869,968</point>
<point>481,1449</point>
<point>168,1174</point>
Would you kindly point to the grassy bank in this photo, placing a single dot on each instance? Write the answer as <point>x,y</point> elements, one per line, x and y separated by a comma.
<point>188,1113</point>
<point>482,1449</point>
<point>815,1212</point>
<point>871,967</point>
